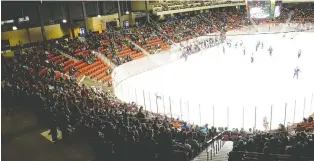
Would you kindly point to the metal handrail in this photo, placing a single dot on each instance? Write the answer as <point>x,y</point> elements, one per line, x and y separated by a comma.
<point>215,138</point>
<point>214,148</point>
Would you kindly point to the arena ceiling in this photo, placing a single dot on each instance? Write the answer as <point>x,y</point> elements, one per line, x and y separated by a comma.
<point>53,12</point>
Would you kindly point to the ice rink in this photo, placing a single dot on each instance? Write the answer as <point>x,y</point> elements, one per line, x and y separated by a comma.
<point>216,88</point>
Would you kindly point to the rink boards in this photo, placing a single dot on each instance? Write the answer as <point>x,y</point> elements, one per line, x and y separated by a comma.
<point>197,111</point>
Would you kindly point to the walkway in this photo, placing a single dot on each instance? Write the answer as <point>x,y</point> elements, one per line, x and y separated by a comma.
<point>67,55</point>
<point>21,141</point>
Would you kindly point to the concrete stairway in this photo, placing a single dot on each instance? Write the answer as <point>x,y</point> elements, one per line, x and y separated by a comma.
<point>105,59</point>
<point>222,154</point>
<point>291,13</point>
<point>69,56</point>
<point>138,47</point>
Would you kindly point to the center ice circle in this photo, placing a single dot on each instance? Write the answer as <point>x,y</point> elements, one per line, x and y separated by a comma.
<point>218,88</point>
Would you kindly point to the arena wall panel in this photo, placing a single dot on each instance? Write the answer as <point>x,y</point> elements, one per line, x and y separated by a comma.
<point>15,36</point>
<point>35,34</point>
<point>53,31</point>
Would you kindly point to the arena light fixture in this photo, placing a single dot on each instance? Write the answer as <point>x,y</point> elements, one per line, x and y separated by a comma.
<point>64,21</point>
<point>14,28</point>
<point>127,8</point>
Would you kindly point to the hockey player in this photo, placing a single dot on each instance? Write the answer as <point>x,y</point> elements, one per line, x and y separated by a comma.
<point>270,49</point>
<point>236,45</point>
<point>299,53</point>
<point>257,45</point>
<point>252,59</point>
<point>262,45</point>
<point>284,35</point>
<point>296,72</point>
<point>244,51</point>
<point>186,57</point>
<point>241,43</point>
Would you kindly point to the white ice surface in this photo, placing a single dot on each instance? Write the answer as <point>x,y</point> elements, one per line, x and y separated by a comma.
<point>213,79</point>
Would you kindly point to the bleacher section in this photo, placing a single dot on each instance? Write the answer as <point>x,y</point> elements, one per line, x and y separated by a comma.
<point>116,48</point>
<point>149,39</point>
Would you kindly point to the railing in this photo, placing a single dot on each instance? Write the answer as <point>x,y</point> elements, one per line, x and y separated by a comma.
<point>261,116</point>
<point>191,7</point>
<point>212,148</point>
<point>249,156</point>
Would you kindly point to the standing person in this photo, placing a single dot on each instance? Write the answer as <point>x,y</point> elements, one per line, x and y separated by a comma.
<point>64,128</point>
<point>296,72</point>
<point>269,28</point>
<point>299,53</point>
<point>53,131</point>
<point>270,49</point>
<point>252,59</point>
<point>257,45</point>
<point>244,51</point>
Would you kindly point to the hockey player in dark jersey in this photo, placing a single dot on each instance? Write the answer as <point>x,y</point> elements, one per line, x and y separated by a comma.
<point>270,49</point>
<point>299,53</point>
<point>252,59</point>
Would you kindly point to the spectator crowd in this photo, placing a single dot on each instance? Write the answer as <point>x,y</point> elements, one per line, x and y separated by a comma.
<point>115,130</point>
<point>123,131</point>
<point>282,143</point>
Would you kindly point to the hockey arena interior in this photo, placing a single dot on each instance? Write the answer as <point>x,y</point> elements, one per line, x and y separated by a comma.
<point>157,80</point>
